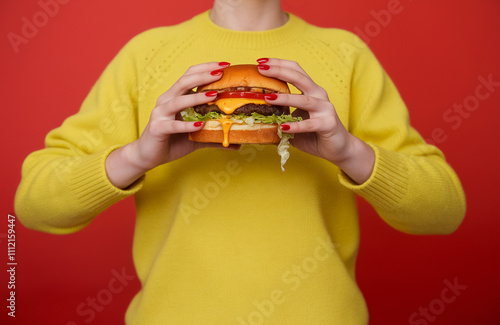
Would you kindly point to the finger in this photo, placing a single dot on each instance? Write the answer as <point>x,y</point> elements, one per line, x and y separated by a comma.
<point>285,70</point>
<point>175,105</point>
<point>160,128</point>
<point>293,65</point>
<point>196,75</point>
<point>313,125</point>
<point>317,107</point>
<point>207,66</point>
<point>187,82</point>
<point>292,72</point>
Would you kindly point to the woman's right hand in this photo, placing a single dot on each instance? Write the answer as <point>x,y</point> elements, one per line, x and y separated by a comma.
<point>165,137</point>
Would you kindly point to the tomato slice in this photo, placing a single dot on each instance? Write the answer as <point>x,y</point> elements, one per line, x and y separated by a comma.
<point>241,94</point>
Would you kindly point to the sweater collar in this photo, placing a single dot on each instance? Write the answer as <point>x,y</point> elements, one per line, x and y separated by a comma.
<point>213,33</point>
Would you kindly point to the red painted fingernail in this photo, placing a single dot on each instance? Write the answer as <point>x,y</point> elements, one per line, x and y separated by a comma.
<point>285,127</point>
<point>216,72</point>
<point>224,64</point>
<point>263,67</point>
<point>263,60</point>
<point>211,93</point>
<point>271,96</point>
<point>198,124</point>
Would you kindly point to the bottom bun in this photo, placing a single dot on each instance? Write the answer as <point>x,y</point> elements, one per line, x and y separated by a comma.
<point>238,134</point>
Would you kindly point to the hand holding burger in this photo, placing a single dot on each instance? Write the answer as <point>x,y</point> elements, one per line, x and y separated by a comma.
<point>321,133</point>
<point>165,137</point>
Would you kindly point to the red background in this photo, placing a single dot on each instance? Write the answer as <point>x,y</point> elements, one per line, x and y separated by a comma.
<point>435,51</point>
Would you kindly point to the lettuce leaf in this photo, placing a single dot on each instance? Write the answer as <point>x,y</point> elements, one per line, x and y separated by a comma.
<point>190,115</point>
<point>283,147</point>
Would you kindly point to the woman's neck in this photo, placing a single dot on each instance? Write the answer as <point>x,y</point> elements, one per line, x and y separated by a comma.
<point>248,15</point>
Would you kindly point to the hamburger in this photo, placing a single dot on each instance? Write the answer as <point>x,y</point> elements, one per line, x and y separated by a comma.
<point>240,114</point>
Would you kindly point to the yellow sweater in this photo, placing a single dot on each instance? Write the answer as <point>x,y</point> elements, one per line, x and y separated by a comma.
<point>227,237</point>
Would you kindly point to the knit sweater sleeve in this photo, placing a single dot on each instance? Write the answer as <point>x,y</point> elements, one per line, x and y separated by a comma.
<point>65,185</point>
<point>412,187</point>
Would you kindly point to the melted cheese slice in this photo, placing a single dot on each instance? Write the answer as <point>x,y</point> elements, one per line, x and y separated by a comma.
<point>226,126</point>
<point>229,105</point>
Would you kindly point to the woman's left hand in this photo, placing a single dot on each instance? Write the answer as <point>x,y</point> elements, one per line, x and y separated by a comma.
<point>321,133</point>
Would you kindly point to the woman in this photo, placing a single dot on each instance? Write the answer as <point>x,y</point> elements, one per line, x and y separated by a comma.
<point>223,236</point>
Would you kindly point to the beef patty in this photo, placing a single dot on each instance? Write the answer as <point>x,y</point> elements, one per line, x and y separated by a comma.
<point>246,109</point>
